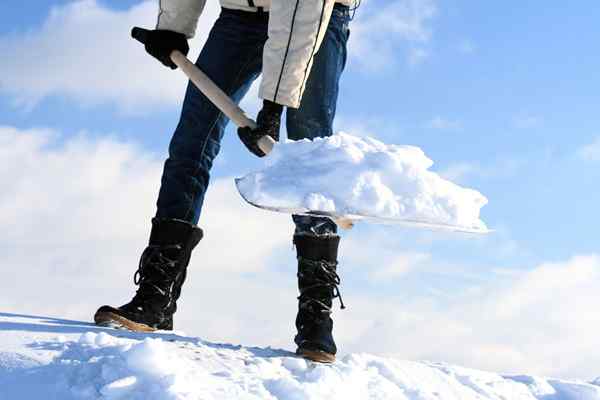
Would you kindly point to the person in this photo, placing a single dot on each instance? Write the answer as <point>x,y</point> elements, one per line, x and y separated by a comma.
<point>301,49</point>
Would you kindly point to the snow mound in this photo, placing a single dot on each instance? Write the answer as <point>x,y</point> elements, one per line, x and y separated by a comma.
<point>95,363</point>
<point>345,174</point>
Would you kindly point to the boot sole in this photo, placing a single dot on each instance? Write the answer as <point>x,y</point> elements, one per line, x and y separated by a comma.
<point>112,320</point>
<point>316,356</point>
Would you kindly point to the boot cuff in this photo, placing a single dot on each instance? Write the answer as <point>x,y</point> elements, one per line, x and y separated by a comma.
<point>174,231</point>
<point>317,248</point>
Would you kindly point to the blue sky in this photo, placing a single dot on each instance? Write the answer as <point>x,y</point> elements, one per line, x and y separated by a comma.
<point>502,97</point>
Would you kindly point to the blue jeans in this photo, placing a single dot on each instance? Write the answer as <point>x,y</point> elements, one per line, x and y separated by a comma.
<point>232,58</point>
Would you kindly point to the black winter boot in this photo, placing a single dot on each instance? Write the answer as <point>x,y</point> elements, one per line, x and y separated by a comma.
<point>160,275</point>
<point>318,283</point>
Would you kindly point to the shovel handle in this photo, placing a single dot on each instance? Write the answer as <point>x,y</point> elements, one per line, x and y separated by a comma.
<point>211,91</point>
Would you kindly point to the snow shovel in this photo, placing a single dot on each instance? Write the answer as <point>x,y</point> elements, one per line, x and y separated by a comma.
<point>229,108</point>
<point>266,144</point>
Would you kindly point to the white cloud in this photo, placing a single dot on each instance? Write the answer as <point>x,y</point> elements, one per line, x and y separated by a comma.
<point>364,125</point>
<point>590,152</point>
<point>417,56</point>
<point>543,321</point>
<point>84,51</point>
<point>499,168</point>
<point>384,29</point>
<point>401,264</point>
<point>441,123</point>
<point>75,217</point>
<point>459,171</point>
<point>527,121</point>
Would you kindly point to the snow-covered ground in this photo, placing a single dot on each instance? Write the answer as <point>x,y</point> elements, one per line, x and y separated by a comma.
<point>48,358</point>
<point>345,174</point>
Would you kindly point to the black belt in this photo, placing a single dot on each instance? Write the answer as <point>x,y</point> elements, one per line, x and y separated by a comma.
<point>338,6</point>
<point>252,15</point>
<point>251,4</point>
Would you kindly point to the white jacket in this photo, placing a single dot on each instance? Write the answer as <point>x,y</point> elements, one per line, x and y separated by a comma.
<point>296,30</point>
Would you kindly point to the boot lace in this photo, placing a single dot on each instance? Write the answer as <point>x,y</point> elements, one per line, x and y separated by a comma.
<point>325,276</point>
<point>156,273</point>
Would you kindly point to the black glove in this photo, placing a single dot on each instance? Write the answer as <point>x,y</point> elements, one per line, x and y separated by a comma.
<point>161,43</point>
<point>268,121</point>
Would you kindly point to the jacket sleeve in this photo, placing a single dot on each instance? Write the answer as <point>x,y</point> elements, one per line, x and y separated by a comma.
<point>180,15</point>
<point>296,30</point>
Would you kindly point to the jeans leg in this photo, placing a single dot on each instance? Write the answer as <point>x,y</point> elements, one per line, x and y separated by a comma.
<point>317,109</point>
<point>232,58</point>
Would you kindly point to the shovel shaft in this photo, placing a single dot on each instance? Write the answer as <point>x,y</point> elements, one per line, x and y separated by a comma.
<point>212,92</point>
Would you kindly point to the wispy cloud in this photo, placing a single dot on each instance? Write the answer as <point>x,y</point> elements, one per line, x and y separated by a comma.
<point>367,125</point>
<point>76,217</point>
<point>590,152</point>
<point>84,51</point>
<point>459,171</point>
<point>417,56</point>
<point>384,29</point>
<point>499,168</point>
<point>527,121</point>
<point>514,323</point>
<point>400,264</point>
<point>444,124</point>
<point>76,214</point>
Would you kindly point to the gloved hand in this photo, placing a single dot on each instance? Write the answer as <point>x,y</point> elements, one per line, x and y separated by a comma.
<point>161,43</point>
<point>268,121</point>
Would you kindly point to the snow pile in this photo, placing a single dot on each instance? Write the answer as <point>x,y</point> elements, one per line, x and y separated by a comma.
<point>344,174</point>
<point>113,365</point>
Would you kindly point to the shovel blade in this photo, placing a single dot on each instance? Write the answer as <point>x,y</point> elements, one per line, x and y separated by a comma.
<point>348,220</point>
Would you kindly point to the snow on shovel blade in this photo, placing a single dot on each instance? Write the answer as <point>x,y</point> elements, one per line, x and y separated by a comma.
<point>349,178</point>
